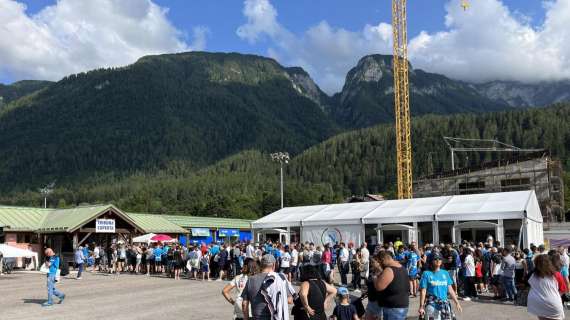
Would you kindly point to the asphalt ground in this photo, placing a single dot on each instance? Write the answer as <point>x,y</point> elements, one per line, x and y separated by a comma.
<point>99,296</point>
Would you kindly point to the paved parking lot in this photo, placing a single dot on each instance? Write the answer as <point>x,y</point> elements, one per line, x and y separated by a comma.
<point>139,297</point>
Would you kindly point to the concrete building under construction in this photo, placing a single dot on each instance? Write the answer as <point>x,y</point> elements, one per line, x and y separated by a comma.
<point>535,171</point>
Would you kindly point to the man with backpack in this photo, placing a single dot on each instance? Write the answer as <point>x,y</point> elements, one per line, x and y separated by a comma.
<point>268,293</point>
<point>53,265</point>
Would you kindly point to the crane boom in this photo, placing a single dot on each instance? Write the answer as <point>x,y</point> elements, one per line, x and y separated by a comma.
<point>402,100</point>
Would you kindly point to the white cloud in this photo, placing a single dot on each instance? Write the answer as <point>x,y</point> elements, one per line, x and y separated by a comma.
<point>73,36</point>
<point>489,42</point>
<point>486,42</point>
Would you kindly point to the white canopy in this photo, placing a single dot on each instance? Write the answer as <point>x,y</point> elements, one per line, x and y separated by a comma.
<point>14,252</point>
<point>144,238</point>
<point>491,206</point>
<point>407,210</point>
<point>342,214</point>
<point>287,217</point>
<point>487,206</point>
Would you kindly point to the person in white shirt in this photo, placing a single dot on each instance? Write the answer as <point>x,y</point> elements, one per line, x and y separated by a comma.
<point>238,285</point>
<point>343,265</point>
<point>96,251</point>
<point>469,264</point>
<point>250,251</point>
<point>294,261</point>
<point>285,266</point>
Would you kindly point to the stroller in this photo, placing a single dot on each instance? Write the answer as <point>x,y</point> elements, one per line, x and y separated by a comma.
<point>8,265</point>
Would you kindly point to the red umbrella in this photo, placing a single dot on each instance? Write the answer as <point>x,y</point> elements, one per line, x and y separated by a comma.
<point>161,237</point>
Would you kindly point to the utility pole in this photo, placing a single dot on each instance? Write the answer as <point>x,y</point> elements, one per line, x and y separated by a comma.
<point>46,191</point>
<point>282,158</point>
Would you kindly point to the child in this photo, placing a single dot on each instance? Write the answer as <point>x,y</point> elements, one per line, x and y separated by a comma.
<point>344,310</point>
<point>205,260</point>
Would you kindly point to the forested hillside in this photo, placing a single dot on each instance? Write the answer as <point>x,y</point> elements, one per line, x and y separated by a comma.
<point>16,90</point>
<point>197,107</point>
<point>357,162</point>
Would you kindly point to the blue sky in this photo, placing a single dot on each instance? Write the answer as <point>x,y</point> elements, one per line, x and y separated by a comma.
<point>326,37</point>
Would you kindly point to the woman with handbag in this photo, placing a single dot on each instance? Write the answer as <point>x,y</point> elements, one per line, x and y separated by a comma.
<point>314,295</point>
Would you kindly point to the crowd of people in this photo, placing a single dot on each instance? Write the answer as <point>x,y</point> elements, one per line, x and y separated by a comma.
<point>383,276</point>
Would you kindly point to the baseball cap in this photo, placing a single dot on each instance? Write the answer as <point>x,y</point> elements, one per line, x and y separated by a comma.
<point>436,256</point>
<point>267,260</point>
<point>342,291</point>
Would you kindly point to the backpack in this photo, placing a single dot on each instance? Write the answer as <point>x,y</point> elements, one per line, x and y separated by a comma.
<point>63,267</point>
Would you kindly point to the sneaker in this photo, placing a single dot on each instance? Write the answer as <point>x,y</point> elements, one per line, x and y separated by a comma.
<point>79,278</point>
<point>357,291</point>
<point>61,299</point>
<point>466,299</point>
<point>47,304</point>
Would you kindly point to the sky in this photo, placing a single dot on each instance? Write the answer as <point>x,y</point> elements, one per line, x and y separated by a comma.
<point>522,40</point>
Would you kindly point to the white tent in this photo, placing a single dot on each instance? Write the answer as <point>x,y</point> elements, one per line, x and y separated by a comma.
<point>342,221</point>
<point>14,252</point>
<point>406,211</point>
<point>287,217</point>
<point>144,238</point>
<point>337,223</point>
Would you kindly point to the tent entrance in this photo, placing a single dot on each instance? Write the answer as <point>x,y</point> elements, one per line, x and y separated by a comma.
<point>393,232</point>
<point>474,231</point>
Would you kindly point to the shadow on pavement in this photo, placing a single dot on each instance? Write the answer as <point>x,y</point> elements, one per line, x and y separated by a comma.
<point>36,301</point>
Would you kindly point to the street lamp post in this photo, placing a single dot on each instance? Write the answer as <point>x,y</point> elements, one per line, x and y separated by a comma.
<point>45,191</point>
<point>282,158</point>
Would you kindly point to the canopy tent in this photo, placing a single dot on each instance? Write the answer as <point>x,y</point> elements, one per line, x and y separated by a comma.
<point>491,206</point>
<point>14,252</point>
<point>287,217</point>
<point>329,221</point>
<point>407,210</point>
<point>145,238</point>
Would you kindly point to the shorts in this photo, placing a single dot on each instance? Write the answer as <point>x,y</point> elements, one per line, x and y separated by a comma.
<point>453,275</point>
<point>121,259</point>
<point>394,313</point>
<point>285,270</point>
<point>97,261</point>
<point>205,268</point>
<point>374,309</point>
<point>413,274</point>
<point>496,280</point>
<point>479,280</point>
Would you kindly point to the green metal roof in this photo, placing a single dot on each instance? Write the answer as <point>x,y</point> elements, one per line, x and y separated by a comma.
<point>155,223</point>
<point>67,220</point>
<point>22,219</point>
<point>209,222</point>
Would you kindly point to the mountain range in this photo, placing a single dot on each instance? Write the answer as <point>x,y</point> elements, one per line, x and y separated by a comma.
<point>178,115</point>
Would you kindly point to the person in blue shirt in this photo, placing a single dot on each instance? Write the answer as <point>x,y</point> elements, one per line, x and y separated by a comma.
<point>412,259</point>
<point>53,265</point>
<point>401,254</point>
<point>435,285</point>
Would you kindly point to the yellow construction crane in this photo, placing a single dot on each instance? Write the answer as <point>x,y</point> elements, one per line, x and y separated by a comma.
<point>402,100</point>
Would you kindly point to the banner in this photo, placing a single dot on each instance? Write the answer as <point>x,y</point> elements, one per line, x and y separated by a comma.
<point>228,233</point>
<point>333,234</point>
<point>105,226</point>
<point>200,232</point>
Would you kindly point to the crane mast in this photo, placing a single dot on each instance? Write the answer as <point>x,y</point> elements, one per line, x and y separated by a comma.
<point>402,100</point>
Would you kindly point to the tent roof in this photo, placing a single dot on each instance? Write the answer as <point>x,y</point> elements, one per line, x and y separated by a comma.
<point>14,252</point>
<point>487,206</point>
<point>209,222</point>
<point>407,210</point>
<point>288,217</point>
<point>490,206</point>
<point>345,213</point>
<point>152,223</point>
